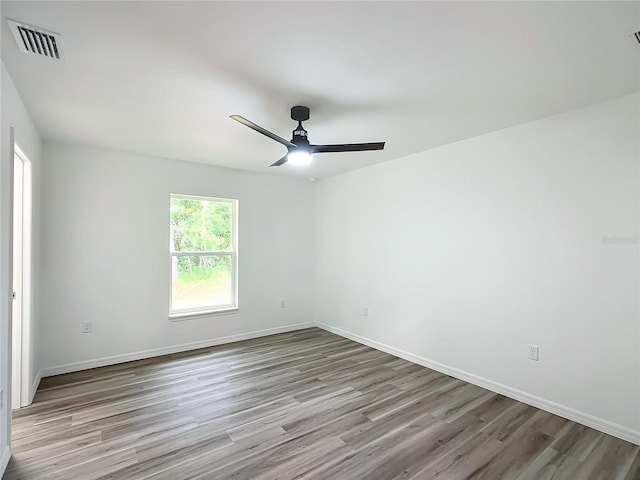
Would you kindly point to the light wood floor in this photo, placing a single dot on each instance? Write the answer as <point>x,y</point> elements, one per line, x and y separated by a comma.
<point>307,404</point>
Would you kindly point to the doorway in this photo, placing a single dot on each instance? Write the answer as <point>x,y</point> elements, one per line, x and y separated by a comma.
<point>21,305</point>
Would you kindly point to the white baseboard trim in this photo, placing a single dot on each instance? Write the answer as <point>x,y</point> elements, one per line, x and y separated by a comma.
<point>156,352</point>
<point>597,423</point>
<point>4,460</point>
<point>34,386</point>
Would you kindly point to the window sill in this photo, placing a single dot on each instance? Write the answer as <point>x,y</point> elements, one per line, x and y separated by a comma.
<point>177,317</point>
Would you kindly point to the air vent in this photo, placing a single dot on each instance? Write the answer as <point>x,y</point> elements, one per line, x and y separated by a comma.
<point>36,40</point>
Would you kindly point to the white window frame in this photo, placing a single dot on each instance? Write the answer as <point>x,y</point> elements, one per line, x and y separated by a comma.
<point>183,314</point>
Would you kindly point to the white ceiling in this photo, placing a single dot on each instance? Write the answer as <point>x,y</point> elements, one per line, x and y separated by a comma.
<point>162,78</point>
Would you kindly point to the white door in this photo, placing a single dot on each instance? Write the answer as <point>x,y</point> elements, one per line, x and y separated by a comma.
<point>21,314</point>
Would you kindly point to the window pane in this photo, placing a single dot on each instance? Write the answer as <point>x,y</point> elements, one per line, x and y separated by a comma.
<point>200,282</point>
<point>200,225</point>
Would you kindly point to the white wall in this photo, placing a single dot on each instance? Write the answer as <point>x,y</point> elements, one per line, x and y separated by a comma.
<point>14,114</point>
<point>467,253</point>
<point>105,240</point>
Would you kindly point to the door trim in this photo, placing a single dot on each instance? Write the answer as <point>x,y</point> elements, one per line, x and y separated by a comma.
<point>21,381</point>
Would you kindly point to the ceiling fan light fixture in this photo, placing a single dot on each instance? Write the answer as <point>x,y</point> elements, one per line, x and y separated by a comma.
<point>299,157</point>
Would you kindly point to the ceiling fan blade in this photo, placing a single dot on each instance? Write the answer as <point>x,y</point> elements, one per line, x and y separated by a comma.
<point>282,161</point>
<point>347,147</point>
<point>263,131</point>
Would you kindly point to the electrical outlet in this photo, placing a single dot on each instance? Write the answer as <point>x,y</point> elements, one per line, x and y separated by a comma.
<point>534,352</point>
<point>365,311</point>
<point>283,303</point>
<point>87,326</point>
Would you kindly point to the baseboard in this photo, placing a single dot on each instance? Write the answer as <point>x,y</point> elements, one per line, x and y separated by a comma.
<point>569,413</point>
<point>34,386</point>
<point>4,460</point>
<point>156,352</point>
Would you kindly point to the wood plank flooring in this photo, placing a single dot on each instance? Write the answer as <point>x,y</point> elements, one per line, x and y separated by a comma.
<point>301,405</point>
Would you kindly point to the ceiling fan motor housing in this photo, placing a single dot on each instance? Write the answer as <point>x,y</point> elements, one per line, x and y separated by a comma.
<point>299,134</point>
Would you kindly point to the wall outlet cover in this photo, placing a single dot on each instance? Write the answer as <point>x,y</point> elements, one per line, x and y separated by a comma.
<point>534,352</point>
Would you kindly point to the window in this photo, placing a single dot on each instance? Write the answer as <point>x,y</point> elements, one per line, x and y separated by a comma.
<point>204,255</point>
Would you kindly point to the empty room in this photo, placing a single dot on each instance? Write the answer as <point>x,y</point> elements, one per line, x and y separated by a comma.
<point>320,240</point>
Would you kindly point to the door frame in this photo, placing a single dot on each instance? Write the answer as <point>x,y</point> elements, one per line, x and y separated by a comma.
<point>21,278</point>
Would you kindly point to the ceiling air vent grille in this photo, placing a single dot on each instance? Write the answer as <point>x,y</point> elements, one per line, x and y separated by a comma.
<point>37,40</point>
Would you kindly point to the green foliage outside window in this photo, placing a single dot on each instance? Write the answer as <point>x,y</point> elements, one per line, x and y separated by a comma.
<point>200,225</point>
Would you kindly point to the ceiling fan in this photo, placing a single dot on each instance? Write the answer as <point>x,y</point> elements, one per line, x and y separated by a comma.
<point>299,150</point>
